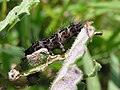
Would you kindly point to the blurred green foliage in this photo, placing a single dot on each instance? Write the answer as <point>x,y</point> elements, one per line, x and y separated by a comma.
<point>46,18</point>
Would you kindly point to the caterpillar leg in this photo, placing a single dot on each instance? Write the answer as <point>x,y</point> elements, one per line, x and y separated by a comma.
<point>50,51</point>
<point>61,46</point>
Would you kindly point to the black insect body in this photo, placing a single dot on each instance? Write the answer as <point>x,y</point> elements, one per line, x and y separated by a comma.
<point>56,40</point>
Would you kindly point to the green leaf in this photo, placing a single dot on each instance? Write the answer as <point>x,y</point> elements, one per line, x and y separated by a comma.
<point>54,22</point>
<point>4,1</point>
<point>112,4</point>
<point>93,83</point>
<point>112,86</point>
<point>115,69</point>
<point>17,13</point>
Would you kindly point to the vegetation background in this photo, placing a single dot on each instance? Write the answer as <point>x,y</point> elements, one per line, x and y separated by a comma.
<point>46,18</point>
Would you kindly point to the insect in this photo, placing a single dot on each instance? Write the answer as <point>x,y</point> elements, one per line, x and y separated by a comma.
<point>56,40</point>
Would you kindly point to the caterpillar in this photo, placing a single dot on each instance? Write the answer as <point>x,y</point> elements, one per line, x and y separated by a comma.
<point>56,40</point>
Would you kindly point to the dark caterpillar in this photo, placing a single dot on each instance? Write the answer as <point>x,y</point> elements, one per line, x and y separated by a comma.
<point>56,40</point>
